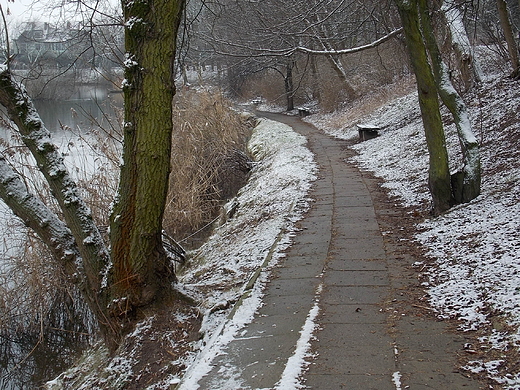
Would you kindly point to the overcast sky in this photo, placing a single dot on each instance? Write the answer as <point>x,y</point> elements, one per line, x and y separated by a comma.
<point>20,9</point>
<point>41,10</point>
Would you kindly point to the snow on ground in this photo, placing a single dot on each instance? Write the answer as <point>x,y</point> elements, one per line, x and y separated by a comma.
<point>262,217</point>
<point>475,277</point>
<point>475,274</point>
<point>227,274</point>
<point>249,243</point>
<point>299,360</point>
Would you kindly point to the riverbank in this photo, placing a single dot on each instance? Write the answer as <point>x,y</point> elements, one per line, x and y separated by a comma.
<point>257,228</point>
<point>468,267</point>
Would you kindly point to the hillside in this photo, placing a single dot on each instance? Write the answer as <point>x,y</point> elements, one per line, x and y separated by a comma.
<point>471,270</point>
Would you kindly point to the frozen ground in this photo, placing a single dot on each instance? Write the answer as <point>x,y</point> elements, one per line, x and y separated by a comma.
<point>227,273</point>
<point>475,274</point>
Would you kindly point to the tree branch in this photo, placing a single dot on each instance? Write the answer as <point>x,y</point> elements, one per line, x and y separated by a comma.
<point>37,216</point>
<point>256,52</point>
<point>350,50</point>
<point>76,214</point>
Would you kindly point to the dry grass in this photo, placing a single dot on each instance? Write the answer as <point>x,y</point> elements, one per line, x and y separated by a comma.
<point>41,311</point>
<point>209,162</point>
<point>366,104</point>
<point>42,314</point>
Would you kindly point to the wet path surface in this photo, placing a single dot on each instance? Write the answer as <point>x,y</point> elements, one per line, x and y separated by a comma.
<point>365,340</point>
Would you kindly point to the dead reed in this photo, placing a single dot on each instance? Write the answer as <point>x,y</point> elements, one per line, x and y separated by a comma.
<point>39,306</point>
<point>209,161</point>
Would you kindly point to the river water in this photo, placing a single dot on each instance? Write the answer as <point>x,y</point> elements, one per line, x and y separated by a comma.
<point>71,124</point>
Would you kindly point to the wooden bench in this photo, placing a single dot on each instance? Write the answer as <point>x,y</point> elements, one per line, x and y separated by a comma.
<point>304,111</point>
<point>367,131</point>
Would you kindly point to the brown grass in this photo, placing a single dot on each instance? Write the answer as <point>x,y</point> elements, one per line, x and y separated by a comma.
<point>41,312</point>
<point>209,161</point>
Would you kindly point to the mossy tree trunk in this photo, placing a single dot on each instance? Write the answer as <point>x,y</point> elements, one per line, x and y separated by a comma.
<point>439,175</point>
<point>141,269</point>
<point>471,172</point>
<point>136,272</point>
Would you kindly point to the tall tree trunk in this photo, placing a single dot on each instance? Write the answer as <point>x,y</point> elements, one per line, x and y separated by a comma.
<point>512,46</point>
<point>468,64</point>
<point>289,84</point>
<point>439,175</point>
<point>471,173</point>
<point>141,268</point>
<point>316,93</point>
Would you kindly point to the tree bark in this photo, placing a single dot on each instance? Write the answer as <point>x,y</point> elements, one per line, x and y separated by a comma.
<point>471,173</point>
<point>289,84</point>
<point>467,63</point>
<point>141,268</point>
<point>439,175</point>
<point>92,258</point>
<point>37,216</point>
<point>507,29</point>
<point>316,93</point>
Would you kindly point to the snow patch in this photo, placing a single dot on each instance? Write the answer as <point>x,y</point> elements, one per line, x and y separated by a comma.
<point>297,362</point>
<point>268,206</point>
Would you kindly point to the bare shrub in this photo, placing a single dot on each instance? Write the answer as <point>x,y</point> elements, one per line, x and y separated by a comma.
<point>209,162</point>
<point>42,315</point>
<point>268,84</point>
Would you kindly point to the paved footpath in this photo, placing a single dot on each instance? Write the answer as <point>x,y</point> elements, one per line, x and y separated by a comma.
<point>367,338</point>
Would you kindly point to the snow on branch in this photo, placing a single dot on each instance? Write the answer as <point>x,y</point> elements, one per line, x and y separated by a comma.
<point>37,139</point>
<point>37,216</point>
<point>352,49</point>
<point>247,51</point>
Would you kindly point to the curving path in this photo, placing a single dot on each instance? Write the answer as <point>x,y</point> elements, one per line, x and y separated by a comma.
<point>367,338</point>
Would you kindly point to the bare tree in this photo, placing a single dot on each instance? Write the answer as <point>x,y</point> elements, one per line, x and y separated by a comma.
<point>439,175</point>
<point>136,271</point>
<point>273,35</point>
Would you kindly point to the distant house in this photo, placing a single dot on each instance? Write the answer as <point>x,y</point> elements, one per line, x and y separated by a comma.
<point>45,45</point>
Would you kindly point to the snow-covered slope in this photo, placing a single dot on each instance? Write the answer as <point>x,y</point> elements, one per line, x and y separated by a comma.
<point>475,276</point>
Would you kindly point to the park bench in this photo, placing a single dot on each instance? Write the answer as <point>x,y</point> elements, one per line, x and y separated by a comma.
<point>304,111</point>
<point>367,131</point>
